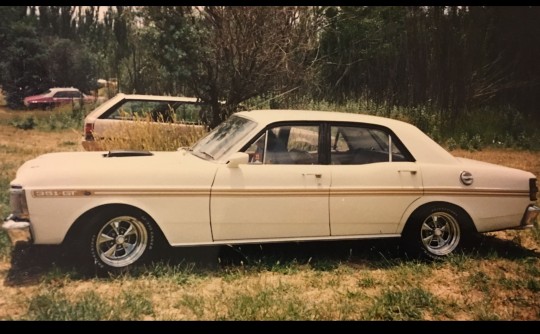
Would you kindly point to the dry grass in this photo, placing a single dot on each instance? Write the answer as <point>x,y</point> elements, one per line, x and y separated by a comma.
<point>143,134</point>
<point>335,281</point>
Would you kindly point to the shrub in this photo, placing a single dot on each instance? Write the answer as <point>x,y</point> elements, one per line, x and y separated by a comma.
<point>28,123</point>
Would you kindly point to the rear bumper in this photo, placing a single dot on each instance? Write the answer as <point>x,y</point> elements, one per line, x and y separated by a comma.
<point>90,145</point>
<point>18,231</point>
<point>529,217</point>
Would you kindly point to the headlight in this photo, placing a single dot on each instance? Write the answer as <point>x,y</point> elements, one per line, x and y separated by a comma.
<point>17,201</point>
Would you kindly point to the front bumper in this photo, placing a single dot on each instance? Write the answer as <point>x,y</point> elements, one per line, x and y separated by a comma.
<point>529,217</point>
<point>18,231</point>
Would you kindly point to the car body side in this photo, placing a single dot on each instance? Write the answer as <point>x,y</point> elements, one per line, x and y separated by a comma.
<point>186,195</point>
<point>57,96</point>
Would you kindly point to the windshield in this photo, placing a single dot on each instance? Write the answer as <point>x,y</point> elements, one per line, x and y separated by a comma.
<point>220,140</point>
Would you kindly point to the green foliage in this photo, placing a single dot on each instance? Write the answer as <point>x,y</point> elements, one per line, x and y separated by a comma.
<point>26,123</point>
<point>64,118</point>
<point>441,69</point>
<point>59,119</point>
<point>533,285</point>
<point>5,245</point>
<point>451,144</point>
<point>23,70</point>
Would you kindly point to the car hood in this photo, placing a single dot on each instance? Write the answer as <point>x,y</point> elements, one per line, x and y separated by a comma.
<point>99,170</point>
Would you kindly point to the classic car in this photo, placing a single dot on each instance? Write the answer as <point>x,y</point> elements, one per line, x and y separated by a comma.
<point>57,96</point>
<point>269,176</point>
<point>121,111</point>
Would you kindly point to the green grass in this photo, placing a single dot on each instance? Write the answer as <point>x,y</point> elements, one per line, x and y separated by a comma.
<point>266,303</point>
<point>55,305</point>
<point>61,118</point>
<point>402,304</point>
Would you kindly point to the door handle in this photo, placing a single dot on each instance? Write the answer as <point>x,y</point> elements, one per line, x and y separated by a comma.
<point>412,171</point>
<point>317,175</point>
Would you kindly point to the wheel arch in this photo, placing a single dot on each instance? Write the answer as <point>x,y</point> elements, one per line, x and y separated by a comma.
<point>460,210</point>
<point>78,226</point>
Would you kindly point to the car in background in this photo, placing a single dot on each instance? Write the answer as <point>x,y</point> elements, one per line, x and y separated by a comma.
<point>268,176</point>
<point>121,111</point>
<point>57,96</point>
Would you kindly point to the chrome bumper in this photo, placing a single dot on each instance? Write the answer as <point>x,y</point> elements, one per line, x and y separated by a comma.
<point>529,217</point>
<point>18,231</point>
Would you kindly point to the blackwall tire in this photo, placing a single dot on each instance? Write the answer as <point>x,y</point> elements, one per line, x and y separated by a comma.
<point>435,232</point>
<point>119,239</point>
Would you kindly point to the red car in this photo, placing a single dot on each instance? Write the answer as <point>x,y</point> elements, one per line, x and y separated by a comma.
<point>57,96</point>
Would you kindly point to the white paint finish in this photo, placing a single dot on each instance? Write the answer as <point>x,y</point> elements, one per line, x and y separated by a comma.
<point>371,198</point>
<point>271,201</point>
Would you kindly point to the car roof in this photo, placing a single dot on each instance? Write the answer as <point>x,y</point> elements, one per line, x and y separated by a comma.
<point>64,88</point>
<point>96,113</point>
<point>273,115</point>
<point>421,146</point>
<point>157,97</point>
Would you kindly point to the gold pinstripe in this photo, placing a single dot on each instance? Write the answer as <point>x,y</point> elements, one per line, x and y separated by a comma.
<point>281,192</point>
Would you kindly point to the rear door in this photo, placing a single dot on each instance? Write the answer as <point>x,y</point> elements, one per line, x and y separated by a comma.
<point>374,179</point>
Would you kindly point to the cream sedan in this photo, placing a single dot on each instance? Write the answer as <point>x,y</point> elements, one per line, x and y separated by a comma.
<point>269,176</point>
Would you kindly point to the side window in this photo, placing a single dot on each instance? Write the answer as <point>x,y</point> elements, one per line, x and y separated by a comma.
<point>75,95</point>
<point>130,110</point>
<point>287,145</point>
<point>357,145</point>
<point>157,111</point>
<point>61,95</point>
<point>189,112</point>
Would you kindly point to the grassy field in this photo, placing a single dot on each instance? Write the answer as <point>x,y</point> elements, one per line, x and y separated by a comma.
<point>497,279</point>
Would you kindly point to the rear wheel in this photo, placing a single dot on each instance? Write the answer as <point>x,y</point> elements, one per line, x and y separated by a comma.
<point>116,240</point>
<point>435,232</point>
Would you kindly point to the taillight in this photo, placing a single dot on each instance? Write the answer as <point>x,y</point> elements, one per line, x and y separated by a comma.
<point>89,131</point>
<point>533,189</point>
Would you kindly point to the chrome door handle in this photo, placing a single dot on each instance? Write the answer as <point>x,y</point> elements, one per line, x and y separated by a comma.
<point>412,171</point>
<point>317,175</point>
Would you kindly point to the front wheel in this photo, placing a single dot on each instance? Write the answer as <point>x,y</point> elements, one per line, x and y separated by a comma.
<point>435,232</point>
<point>117,240</point>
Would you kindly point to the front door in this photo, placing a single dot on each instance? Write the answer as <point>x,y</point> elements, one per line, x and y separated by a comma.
<point>282,193</point>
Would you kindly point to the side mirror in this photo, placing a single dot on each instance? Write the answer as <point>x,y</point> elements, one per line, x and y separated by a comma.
<point>238,158</point>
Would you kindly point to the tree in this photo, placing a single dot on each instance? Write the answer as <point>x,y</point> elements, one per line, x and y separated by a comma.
<point>235,53</point>
<point>24,66</point>
<point>250,51</point>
